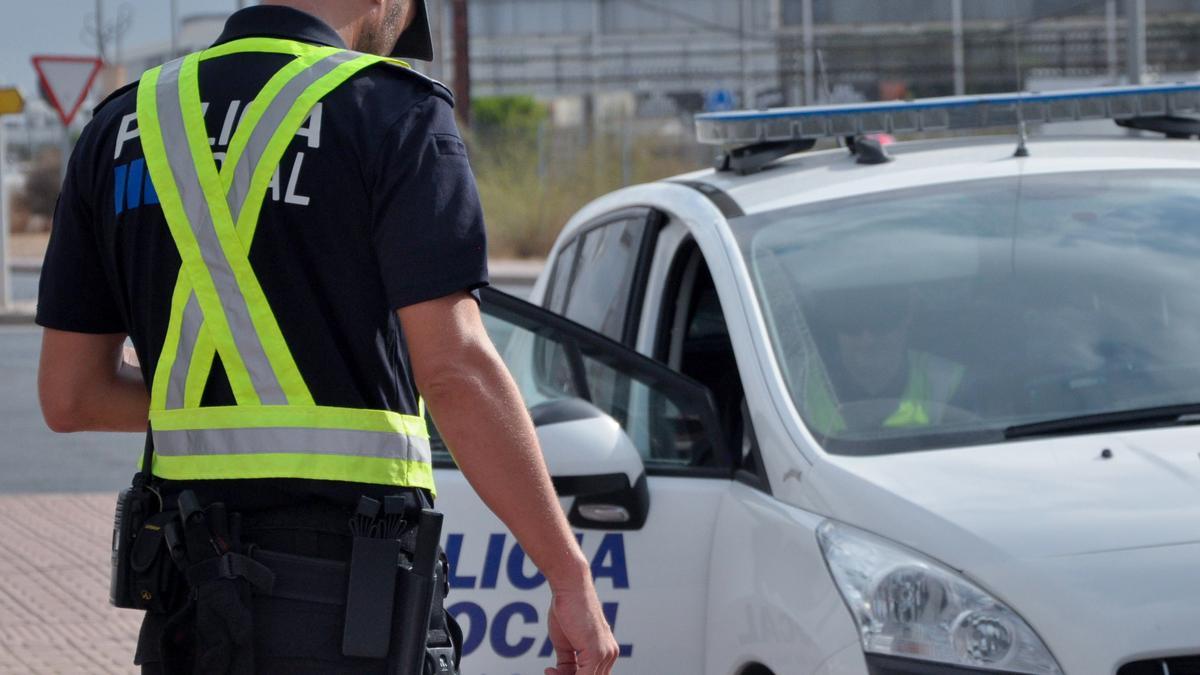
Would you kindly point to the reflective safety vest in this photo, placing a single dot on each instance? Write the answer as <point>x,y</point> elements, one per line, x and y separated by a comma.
<point>274,430</point>
<point>931,380</point>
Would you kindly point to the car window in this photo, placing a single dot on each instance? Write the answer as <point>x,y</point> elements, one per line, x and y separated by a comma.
<point>599,295</point>
<point>560,278</point>
<point>668,417</point>
<point>945,315</point>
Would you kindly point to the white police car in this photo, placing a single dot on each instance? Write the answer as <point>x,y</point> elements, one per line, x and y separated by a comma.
<point>923,408</point>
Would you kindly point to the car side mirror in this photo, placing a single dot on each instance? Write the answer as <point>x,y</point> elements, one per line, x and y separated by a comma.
<point>591,459</point>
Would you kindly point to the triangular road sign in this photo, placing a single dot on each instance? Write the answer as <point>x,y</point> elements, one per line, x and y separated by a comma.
<point>66,79</point>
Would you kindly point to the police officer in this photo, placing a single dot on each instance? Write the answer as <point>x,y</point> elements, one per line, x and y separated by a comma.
<point>290,234</point>
<point>875,378</point>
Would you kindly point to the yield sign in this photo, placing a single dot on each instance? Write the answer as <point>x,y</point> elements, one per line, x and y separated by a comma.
<point>66,80</point>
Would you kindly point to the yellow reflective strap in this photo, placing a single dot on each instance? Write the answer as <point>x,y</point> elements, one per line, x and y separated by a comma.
<point>374,470</point>
<point>235,253</point>
<point>199,369</point>
<point>185,240</point>
<point>248,218</point>
<point>166,359</point>
<point>910,413</point>
<point>247,224</point>
<point>299,416</point>
<point>204,349</point>
<point>253,113</point>
<point>821,409</point>
<point>189,249</point>
<point>265,45</point>
<point>202,357</point>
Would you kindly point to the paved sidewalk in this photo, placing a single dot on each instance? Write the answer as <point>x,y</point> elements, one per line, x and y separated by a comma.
<point>54,611</point>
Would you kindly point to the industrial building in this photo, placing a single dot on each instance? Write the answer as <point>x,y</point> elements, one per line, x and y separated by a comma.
<point>688,55</point>
<point>658,58</point>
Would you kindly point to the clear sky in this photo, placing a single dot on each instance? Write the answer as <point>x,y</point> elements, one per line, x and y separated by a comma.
<point>29,27</point>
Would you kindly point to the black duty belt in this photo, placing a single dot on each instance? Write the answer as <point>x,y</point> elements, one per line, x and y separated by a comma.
<point>303,578</point>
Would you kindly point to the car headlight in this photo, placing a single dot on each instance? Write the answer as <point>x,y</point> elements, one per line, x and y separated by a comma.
<point>907,605</point>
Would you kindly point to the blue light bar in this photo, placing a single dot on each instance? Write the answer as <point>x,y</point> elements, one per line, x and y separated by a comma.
<point>948,113</point>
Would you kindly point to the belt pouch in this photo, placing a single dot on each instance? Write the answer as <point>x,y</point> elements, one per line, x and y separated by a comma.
<point>134,506</point>
<point>154,578</point>
<point>370,596</point>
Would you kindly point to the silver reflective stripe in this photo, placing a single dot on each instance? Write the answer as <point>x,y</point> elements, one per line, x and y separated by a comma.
<point>290,440</point>
<point>256,146</point>
<point>189,331</point>
<point>272,118</point>
<point>237,314</point>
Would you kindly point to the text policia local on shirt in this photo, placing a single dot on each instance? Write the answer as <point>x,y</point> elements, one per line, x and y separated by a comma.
<point>133,187</point>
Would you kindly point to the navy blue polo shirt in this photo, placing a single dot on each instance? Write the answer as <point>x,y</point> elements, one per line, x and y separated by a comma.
<point>373,208</point>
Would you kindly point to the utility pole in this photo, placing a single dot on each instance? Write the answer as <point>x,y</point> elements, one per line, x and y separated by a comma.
<point>1135,14</point>
<point>462,62</point>
<point>743,25</point>
<point>591,108</point>
<point>99,32</point>
<point>1110,34</point>
<point>810,55</point>
<point>956,20</point>
<point>436,20</point>
<point>175,28</point>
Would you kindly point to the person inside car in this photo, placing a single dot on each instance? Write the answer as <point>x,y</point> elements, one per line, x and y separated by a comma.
<point>873,378</point>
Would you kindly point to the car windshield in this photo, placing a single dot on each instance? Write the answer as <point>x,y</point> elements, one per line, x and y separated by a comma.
<point>940,316</point>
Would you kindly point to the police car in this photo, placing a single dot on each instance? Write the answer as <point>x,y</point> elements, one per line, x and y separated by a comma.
<point>924,407</point>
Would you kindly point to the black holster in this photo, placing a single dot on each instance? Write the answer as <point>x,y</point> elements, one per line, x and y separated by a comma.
<point>142,575</point>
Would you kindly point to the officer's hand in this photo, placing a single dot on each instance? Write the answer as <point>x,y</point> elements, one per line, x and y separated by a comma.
<point>583,641</point>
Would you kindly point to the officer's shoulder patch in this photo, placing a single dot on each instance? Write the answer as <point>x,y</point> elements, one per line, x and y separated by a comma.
<point>113,96</point>
<point>439,89</point>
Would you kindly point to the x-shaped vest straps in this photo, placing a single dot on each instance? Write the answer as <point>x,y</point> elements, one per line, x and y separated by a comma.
<point>222,209</point>
<point>218,306</point>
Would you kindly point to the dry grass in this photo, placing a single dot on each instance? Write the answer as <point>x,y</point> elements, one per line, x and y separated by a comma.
<point>530,188</point>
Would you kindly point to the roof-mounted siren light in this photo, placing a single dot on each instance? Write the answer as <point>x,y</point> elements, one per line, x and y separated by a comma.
<point>1139,107</point>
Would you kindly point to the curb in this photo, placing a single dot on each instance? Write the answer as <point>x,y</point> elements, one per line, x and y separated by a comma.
<point>19,314</point>
<point>502,271</point>
<point>514,272</point>
<point>25,265</point>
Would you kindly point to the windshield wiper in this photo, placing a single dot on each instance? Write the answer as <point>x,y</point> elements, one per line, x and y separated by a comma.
<point>1160,416</point>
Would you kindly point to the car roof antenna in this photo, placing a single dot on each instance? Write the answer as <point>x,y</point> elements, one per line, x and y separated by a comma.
<point>1022,137</point>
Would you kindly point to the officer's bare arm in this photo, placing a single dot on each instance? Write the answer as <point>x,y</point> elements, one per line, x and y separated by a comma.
<point>84,385</point>
<point>481,416</point>
<point>479,412</point>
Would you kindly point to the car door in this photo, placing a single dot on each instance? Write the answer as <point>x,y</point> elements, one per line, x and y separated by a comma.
<point>652,575</point>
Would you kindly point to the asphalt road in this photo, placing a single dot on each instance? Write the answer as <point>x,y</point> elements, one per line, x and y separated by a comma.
<point>34,459</point>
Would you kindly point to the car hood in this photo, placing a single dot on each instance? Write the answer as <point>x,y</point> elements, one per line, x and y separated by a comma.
<point>1098,554</point>
<point>1035,498</point>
